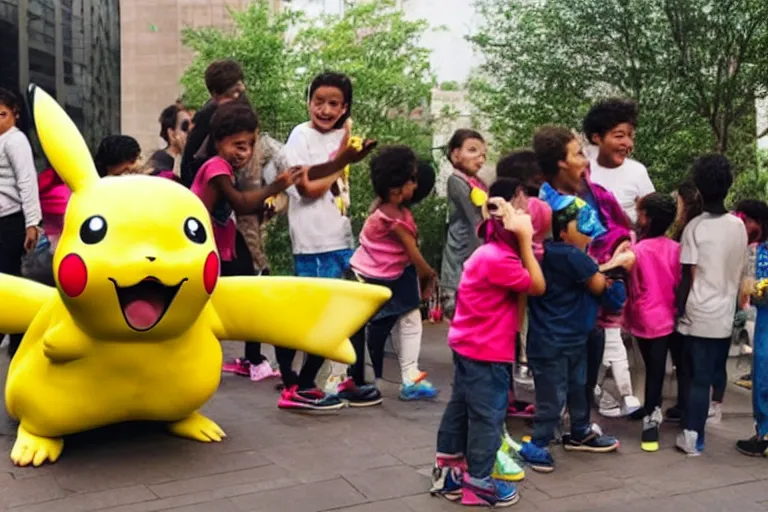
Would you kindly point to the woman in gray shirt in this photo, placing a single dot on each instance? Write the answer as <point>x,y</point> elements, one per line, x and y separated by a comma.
<point>19,200</point>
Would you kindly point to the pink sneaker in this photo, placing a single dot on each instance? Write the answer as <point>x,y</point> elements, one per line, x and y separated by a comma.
<point>263,371</point>
<point>238,367</point>
<point>308,401</point>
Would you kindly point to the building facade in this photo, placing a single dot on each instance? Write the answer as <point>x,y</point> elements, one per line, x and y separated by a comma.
<point>154,57</point>
<point>70,48</point>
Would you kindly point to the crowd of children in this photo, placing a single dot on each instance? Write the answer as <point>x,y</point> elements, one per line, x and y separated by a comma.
<point>545,275</point>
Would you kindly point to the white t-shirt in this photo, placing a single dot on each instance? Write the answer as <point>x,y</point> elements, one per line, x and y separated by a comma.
<point>628,182</point>
<point>316,225</point>
<point>716,245</point>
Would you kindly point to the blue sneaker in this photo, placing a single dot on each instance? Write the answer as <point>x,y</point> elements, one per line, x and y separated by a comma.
<point>446,478</point>
<point>488,492</point>
<point>591,441</point>
<point>538,458</point>
<point>419,391</point>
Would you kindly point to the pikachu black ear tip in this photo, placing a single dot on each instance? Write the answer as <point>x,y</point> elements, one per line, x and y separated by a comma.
<point>31,90</point>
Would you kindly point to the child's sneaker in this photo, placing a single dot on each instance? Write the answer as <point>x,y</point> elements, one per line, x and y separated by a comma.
<point>262,371</point>
<point>687,441</point>
<point>591,441</point>
<point>523,410</point>
<point>538,458</point>
<point>506,468</point>
<point>332,383</point>
<point>238,367</point>
<point>754,447</point>
<point>447,474</point>
<point>422,390</point>
<point>366,395</point>
<point>488,492</point>
<point>715,414</point>
<point>649,440</point>
<point>312,400</point>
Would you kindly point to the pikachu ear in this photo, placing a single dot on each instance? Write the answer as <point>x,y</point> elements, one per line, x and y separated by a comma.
<point>64,147</point>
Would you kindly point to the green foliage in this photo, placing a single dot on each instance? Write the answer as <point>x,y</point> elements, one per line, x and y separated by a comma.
<point>694,66</point>
<point>372,43</point>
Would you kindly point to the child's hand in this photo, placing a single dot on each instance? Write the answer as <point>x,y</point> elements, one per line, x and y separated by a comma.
<point>353,155</point>
<point>625,259</point>
<point>427,286</point>
<point>514,220</point>
<point>289,177</point>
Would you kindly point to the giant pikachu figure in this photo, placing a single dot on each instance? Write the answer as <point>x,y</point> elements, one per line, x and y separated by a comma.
<point>132,329</point>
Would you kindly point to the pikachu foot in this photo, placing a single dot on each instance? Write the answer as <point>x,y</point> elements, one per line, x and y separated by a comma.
<point>31,449</point>
<point>197,427</point>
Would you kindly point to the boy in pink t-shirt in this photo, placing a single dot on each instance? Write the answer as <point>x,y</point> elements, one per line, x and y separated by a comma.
<point>233,130</point>
<point>651,302</point>
<point>482,337</point>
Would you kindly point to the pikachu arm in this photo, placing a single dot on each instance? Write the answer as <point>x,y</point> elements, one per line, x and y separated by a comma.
<point>65,342</point>
<point>312,315</point>
<point>20,301</point>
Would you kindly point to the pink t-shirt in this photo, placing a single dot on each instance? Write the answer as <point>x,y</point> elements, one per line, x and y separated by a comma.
<point>541,218</point>
<point>485,323</point>
<point>381,255</point>
<point>223,234</point>
<point>650,311</point>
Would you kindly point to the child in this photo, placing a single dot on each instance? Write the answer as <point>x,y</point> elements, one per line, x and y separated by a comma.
<point>651,302</point>
<point>523,165</point>
<point>688,207</point>
<point>610,125</point>
<point>713,258</point>
<point>233,129</point>
<point>466,194</point>
<point>562,319</point>
<point>755,215</point>
<point>174,125</point>
<point>224,81</point>
<point>321,236</point>
<point>389,256</point>
<point>116,155</point>
<point>482,337</point>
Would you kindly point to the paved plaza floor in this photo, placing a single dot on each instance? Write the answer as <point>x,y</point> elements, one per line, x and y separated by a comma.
<point>374,460</point>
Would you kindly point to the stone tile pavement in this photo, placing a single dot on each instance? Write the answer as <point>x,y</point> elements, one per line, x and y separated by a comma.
<point>374,460</point>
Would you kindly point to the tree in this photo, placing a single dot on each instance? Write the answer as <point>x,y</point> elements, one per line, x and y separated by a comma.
<point>548,61</point>
<point>375,45</point>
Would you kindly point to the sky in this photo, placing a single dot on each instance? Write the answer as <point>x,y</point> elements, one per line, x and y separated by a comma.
<point>450,21</point>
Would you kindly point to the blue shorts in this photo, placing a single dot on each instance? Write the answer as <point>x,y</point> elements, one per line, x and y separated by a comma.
<point>333,264</point>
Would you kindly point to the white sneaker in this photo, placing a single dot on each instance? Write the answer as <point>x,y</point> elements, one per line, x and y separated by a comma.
<point>613,412</point>
<point>629,405</point>
<point>331,386</point>
<point>686,442</point>
<point>715,415</point>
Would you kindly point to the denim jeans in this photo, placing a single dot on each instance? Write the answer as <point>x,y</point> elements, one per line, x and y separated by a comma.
<point>559,381</point>
<point>760,372</point>
<point>595,349</point>
<point>473,420</point>
<point>706,356</point>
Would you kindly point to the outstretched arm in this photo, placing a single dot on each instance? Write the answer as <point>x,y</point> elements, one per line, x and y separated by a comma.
<point>20,300</point>
<point>312,315</point>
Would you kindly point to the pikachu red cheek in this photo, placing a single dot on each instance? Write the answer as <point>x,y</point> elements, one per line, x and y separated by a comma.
<point>211,272</point>
<point>73,275</point>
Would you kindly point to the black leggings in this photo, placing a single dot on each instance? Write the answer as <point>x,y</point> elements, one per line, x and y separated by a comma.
<point>242,265</point>
<point>13,232</point>
<point>654,352</point>
<point>679,352</point>
<point>376,332</point>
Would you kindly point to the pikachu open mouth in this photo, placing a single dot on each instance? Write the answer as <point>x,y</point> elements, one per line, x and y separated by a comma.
<point>144,304</point>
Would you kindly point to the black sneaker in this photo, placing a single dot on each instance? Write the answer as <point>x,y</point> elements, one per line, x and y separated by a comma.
<point>591,441</point>
<point>637,415</point>
<point>649,440</point>
<point>754,447</point>
<point>366,395</point>
<point>673,415</point>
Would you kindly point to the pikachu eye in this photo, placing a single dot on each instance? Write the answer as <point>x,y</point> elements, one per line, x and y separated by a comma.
<point>195,231</point>
<point>93,230</point>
